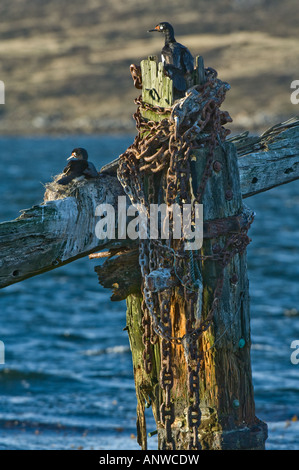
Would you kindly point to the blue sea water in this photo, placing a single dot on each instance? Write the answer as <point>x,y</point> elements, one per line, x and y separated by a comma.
<point>67,381</point>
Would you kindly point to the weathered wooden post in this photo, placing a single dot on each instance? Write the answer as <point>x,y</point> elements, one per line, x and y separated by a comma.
<point>189,330</point>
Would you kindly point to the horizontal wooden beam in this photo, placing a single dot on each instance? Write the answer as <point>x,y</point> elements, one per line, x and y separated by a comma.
<point>269,160</point>
<point>55,233</point>
<point>62,229</point>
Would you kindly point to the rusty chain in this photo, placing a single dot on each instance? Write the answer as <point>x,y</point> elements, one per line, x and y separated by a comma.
<point>166,376</point>
<point>194,121</point>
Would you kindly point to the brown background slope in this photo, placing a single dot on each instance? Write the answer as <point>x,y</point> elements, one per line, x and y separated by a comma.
<point>65,64</point>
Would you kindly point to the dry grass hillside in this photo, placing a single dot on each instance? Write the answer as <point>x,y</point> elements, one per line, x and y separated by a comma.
<point>65,64</point>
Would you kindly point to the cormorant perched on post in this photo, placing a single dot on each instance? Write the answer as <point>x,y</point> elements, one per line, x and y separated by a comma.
<point>78,166</point>
<point>177,59</point>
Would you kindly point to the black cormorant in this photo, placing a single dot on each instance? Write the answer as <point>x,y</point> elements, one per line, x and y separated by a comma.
<point>78,166</point>
<point>177,59</point>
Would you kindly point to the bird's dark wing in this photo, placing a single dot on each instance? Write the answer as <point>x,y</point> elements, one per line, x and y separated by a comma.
<point>75,167</point>
<point>182,58</point>
<point>67,169</point>
<point>90,171</point>
<point>176,76</point>
<point>187,60</point>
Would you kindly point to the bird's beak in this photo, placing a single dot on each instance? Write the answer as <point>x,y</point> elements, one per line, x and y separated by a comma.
<point>72,156</point>
<point>153,30</point>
